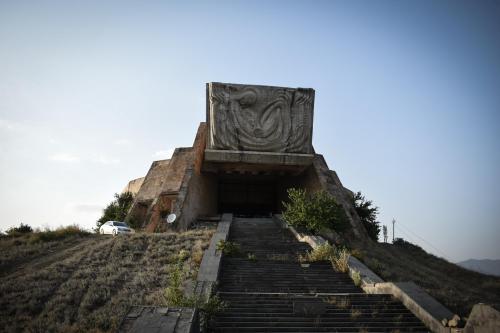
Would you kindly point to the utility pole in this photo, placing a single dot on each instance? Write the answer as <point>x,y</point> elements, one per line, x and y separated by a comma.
<point>384,228</point>
<point>393,222</point>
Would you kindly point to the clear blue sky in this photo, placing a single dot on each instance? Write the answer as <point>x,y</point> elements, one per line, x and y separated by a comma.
<point>407,101</point>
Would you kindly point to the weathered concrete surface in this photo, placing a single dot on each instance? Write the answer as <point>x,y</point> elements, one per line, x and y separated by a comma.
<point>209,267</point>
<point>210,263</point>
<point>237,156</point>
<point>197,193</point>
<point>312,240</point>
<point>158,192</point>
<point>259,118</point>
<point>367,275</point>
<point>153,182</point>
<point>134,186</point>
<point>421,304</point>
<point>150,319</point>
<point>176,186</point>
<point>309,306</point>
<point>483,319</point>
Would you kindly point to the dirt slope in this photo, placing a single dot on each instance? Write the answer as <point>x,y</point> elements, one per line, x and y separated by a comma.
<point>86,284</point>
<point>457,288</point>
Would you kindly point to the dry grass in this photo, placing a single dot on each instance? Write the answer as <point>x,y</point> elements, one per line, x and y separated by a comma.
<point>17,248</point>
<point>457,288</point>
<point>355,313</point>
<point>341,260</point>
<point>322,252</point>
<point>90,282</point>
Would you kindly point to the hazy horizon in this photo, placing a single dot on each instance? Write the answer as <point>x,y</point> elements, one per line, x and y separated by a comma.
<point>407,105</point>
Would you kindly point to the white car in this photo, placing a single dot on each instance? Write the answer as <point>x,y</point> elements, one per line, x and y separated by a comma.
<point>114,228</point>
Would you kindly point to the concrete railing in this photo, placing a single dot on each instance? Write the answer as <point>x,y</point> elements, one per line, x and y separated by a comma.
<point>210,263</point>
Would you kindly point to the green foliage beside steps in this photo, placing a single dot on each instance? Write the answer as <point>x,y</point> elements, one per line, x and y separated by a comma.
<point>314,212</point>
<point>339,257</point>
<point>228,248</point>
<point>175,293</point>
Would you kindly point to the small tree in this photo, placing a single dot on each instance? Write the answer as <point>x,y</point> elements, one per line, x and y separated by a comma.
<point>314,211</point>
<point>22,229</point>
<point>368,215</point>
<point>117,210</point>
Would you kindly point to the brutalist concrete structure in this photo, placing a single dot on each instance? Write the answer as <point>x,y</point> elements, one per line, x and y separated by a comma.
<point>255,144</point>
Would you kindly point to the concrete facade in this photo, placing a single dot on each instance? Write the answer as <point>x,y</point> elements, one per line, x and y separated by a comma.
<point>134,186</point>
<point>255,144</point>
<point>259,118</point>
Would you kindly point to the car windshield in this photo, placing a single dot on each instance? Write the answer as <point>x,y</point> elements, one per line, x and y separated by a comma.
<point>120,224</point>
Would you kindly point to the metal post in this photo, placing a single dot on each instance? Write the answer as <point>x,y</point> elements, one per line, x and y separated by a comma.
<point>393,222</point>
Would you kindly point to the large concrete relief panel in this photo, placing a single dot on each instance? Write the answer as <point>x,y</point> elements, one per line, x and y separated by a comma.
<point>259,118</point>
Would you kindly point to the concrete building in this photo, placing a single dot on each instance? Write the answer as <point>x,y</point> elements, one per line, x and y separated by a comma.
<point>255,144</point>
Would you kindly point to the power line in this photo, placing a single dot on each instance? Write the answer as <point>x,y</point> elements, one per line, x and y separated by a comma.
<point>425,241</point>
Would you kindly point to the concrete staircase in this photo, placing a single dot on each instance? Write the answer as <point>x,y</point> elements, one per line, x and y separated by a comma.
<point>268,290</point>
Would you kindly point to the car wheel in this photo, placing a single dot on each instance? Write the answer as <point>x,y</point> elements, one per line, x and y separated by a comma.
<point>114,232</point>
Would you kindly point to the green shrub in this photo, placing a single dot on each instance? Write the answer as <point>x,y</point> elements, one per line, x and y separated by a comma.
<point>174,293</point>
<point>175,297</point>
<point>228,248</point>
<point>117,210</point>
<point>57,234</point>
<point>314,212</point>
<point>356,278</point>
<point>368,215</point>
<point>341,260</point>
<point>400,242</point>
<point>21,229</point>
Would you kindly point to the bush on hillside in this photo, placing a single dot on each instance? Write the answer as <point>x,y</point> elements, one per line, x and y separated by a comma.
<point>62,232</point>
<point>400,242</point>
<point>21,229</point>
<point>117,210</point>
<point>368,215</point>
<point>314,212</point>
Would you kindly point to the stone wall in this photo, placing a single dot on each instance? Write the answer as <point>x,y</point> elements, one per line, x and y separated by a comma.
<point>198,192</point>
<point>134,186</point>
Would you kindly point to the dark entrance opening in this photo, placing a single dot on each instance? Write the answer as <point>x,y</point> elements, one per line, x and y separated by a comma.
<point>248,194</point>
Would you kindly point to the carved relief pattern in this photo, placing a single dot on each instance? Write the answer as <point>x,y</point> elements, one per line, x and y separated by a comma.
<point>257,118</point>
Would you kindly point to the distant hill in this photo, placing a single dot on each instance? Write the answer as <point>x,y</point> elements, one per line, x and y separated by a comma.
<point>485,266</point>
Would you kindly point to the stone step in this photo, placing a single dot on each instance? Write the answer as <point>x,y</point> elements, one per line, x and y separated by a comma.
<point>275,292</point>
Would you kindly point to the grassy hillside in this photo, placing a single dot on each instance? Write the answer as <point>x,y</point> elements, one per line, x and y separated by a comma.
<point>85,283</point>
<point>457,288</point>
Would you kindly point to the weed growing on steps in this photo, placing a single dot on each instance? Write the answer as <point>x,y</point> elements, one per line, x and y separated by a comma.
<point>228,248</point>
<point>322,252</point>
<point>174,293</point>
<point>339,257</point>
<point>251,257</point>
<point>341,260</point>
<point>355,313</point>
<point>356,278</point>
